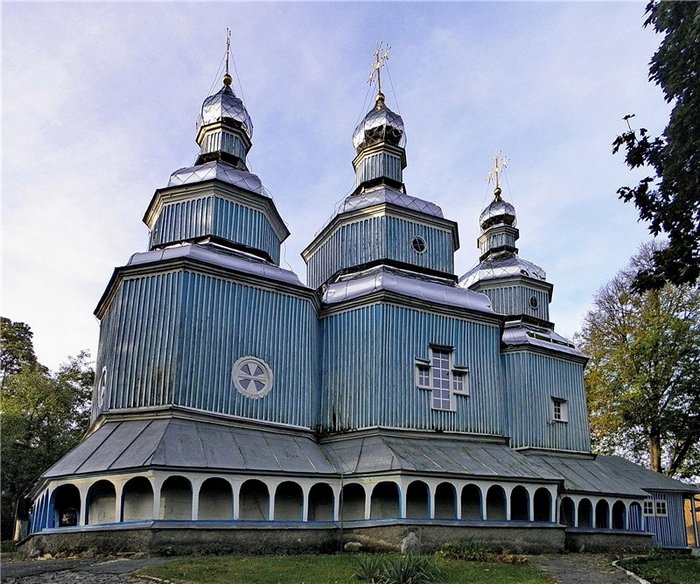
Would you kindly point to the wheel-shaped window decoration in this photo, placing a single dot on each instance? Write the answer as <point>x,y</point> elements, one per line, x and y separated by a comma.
<point>101,387</point>
<point>252,377</point>
<point>418,244</point>
<point>534,303</point>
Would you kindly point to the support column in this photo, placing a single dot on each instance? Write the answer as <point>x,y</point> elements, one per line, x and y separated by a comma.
<point>484,504</point>
<point>368,503</point>
<point>157,483</point>
<point>554,507</point>
<point>82,516</point>
<point>118,493</point>
<point>336,503</point>
<point>305,504</point>
<point>431,502</point>
<point>610,515</point>
<point>508,510</point>
<point>530,506</point>
<point>196,487</point>
<point>235,493</point>
<point>402,500</point>
<point>458,502</point>
<point>576,512</point>
<point>271,503</point>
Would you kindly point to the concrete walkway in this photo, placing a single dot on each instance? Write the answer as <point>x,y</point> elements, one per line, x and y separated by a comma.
<point>562,568</point>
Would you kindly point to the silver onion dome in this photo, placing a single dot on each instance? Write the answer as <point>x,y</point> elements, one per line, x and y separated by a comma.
<point>498,211</point>
<point>224,104</point>
<point>379,125</point>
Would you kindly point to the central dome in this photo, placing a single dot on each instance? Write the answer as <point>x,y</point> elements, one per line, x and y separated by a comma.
<point>225,105</point>
<point>379,125</point>
<point>498,211</point>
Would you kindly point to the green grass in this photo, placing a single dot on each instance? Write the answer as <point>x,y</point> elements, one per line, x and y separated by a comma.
<point>322,569</point>
<point>665,568</point>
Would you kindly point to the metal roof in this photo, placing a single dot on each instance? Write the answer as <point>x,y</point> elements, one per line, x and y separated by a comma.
<point>523,334</point>
<point>222,105</point>
<point>383,278</point>
<point>194,445</point>
<point>225,259</point>
<point>502,268</point>
<point>607,475</point>
<point>219,170</point>
<point>384,194</point>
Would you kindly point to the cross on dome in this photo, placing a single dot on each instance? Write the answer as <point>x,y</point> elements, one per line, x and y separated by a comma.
<point>500,163</point>
<point>381,56</point>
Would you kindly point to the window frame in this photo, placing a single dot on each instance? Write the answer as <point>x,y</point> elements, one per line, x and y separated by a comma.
<point>441,361</point>
<point>559,409</point>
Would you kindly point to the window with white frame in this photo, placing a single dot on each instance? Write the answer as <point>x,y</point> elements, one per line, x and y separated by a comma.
<point>661,510</point>
<point>560,411</point>
<point>439,375</point>
<point>649,507</point>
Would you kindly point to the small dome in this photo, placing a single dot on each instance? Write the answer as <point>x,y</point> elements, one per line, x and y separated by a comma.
<point>225,105</point>
<point>379,125</point>
<point>498,211</point>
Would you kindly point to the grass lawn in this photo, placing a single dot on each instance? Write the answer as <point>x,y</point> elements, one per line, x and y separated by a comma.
<point>665,570</point>
<point>322,569</point>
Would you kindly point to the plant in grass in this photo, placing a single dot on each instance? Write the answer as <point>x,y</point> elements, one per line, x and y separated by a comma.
<point>370,568</point>
<point>505,557</point>
<point>411,569</point>
<point>468,550</point>
<point>665,567</point>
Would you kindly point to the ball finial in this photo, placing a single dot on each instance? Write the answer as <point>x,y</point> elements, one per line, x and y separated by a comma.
<point>228,80</point>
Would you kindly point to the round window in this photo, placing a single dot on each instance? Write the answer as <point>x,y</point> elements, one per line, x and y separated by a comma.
<point>101,387</point>
<point>534,303</point>
<point>418,244</point>
<point>252,377</point>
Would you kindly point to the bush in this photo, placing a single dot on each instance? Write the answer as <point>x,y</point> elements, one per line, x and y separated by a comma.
<point>8,546</point>
<point>410,569</point>
<point>469,550</point>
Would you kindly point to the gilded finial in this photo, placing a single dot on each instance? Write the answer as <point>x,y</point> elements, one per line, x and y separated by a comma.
<point>500,163</point>
<point>381,56</point>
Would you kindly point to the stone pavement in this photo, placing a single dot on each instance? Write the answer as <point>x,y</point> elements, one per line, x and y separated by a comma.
<point>562,568</point>
<point>581,569</point>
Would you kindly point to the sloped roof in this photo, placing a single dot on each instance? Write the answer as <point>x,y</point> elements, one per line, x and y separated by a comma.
<point>608,475</point>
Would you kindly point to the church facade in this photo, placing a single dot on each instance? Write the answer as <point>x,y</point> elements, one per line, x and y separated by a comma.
<point>383,396</point>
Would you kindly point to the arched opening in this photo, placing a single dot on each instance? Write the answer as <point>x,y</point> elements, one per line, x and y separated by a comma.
<point>289,502</point>
<point>585,513</point>
<point>618,515</point>
<point>471,502</point>
<point>417,501</point>
<point>542,502</point>
<point>176,499</point>
<point>254,501</point>
<point>352,502</point>
<point>384,503</point>
<point>601,514</point>
<point>445,501</point>
<point>635,517</point>
<point>321,500</point>
<point>519,504</point>
<point>66,506</point>
<point>215,500</point>
<point>496,504</point>
<point>137,500</point>
<point>101,503</point>
<point>566,512</point>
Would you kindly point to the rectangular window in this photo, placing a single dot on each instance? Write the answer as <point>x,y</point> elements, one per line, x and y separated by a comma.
<point>441,380</point>
<point>661,510</point>
<point>459,382</point>
<point>649,507</point>
<point>559,410</point>
<point>423,376</point>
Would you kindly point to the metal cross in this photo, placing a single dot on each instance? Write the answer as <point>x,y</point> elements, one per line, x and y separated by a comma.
<point>381,56</point>
<point>500,163</point>
<point>228,47</point>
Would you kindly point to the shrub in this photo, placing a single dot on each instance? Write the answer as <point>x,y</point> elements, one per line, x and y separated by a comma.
<point>370,568</point>
<point>8,546</point>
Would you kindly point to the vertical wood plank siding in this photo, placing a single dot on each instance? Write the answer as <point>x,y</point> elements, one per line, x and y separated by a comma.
<point>173,338</point>
<point>378,165</point>
<point>516,300</point>
<point>531,379</point>
<point>217,217</point>
<point>378,238</point>
<point>669,531</point>
<point>372,380</point>
<point>224,141</point>
<point>496,240</point>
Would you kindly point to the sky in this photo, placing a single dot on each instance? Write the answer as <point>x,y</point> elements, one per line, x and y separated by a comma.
<point>100,100</point>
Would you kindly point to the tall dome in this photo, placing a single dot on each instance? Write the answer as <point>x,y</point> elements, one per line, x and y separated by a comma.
<point>225,105</point>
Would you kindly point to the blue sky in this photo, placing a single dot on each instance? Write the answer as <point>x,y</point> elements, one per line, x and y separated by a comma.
<point>100,102</point>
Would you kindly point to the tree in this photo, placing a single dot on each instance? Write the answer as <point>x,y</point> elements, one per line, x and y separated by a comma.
<point>16,348</point>
<point>643,378</point>
<point>670,199</point>
<point>44,415</point>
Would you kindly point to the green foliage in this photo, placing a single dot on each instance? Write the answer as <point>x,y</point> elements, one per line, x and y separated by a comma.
<point>409,569</point>
<point>643,378</point>
<point>665,568</point>
<point>370,568</point>
<point>669,198</point>
<point>8,547</point>
<point>16,348</point>
<point>44,415</point>
<point>469,550</point>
